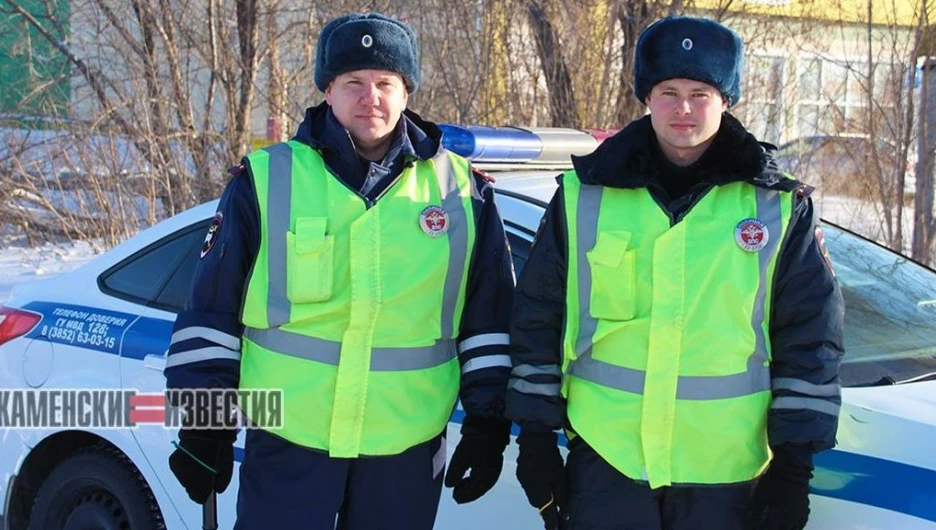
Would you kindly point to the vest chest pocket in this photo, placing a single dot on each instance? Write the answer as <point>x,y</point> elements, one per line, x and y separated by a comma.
<point>614,281</point>
<point>309,257</point>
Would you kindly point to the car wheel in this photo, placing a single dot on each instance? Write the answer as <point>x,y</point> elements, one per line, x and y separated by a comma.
<point>95,489</point>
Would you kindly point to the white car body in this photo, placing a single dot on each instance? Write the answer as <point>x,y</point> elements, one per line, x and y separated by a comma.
<point>882,474</point>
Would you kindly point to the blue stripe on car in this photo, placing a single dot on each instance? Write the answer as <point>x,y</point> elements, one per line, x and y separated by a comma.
<point>876,482</point>
<point>81,326</point>
<point>839,475</point>
<point>102,330</point>
<point>147,336</point>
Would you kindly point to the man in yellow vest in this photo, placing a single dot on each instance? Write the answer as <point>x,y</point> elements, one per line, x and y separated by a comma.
<point>363,270</point>
<point>677,317</point>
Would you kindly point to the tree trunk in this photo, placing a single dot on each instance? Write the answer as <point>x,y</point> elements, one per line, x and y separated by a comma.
<point>634,16</point>
<point>923,200</point>
<point>562,108</point>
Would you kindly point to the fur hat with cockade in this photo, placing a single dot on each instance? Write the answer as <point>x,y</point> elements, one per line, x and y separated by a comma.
<point>370,41</point>
<point>689,48</point>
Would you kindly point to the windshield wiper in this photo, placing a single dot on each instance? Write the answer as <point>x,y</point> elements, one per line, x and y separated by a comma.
<point>884,381</point>
<point>888,380</point>
<point>919,378</point>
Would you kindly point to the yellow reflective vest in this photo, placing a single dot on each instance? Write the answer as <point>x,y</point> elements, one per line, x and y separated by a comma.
<point>666,347</point>
<point>353,311</point>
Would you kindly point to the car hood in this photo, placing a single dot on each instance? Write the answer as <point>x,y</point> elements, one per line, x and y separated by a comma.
<point>911,401</point>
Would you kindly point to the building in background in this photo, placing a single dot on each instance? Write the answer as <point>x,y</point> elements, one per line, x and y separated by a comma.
<point>842,67</point>
<point>34,76</point>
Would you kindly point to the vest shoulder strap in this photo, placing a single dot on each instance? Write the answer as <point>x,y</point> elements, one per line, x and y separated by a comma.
<point>773,179</point>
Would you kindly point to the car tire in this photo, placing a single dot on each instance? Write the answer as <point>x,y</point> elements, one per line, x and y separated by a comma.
<point>95,489</point>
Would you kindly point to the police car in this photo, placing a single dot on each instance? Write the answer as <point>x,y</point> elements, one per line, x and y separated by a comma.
<point>100,334</point>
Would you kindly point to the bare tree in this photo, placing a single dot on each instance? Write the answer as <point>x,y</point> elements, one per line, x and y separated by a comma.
<point>562,107</point>
<point>167,93</point>
<point>923,222</point>
<point>633,17</point>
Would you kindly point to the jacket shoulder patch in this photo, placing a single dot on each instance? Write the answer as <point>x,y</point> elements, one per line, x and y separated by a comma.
<point>212,236</point>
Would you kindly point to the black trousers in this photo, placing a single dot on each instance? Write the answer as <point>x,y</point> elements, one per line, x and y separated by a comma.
<point>287,486</point>
<point>603,498</point>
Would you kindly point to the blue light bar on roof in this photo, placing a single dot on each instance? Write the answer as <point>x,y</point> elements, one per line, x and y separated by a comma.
<point>499,148</point>
<point>560,144</point>
<point>491,144</point>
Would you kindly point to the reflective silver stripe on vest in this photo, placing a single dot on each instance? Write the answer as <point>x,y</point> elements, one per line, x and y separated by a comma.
<point>757,376</point>
<point>586,232</point>
<point>329,352</point>
<point>278,214</point>
<point>458,240</point>
<point>770,212</point>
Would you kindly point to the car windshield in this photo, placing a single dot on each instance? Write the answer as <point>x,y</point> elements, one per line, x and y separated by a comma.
<point>890,311</point>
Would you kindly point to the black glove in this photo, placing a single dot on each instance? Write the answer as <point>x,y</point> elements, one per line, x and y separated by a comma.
<point>196,452</point>
<point>541,473</point>
<point>481,450</point>
<point>781,497</point>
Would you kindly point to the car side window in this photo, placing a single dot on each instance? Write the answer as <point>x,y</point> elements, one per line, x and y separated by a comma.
<point>153,276</point>
<point>176,292</point>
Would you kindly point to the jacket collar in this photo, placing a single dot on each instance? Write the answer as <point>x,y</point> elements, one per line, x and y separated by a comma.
<point>626,161</point>
<point>320,130</point>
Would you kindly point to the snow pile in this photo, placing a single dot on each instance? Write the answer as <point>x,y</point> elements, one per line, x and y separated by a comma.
<point>23,264</point>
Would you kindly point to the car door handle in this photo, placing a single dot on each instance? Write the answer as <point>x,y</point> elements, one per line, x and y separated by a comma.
<point>155,362</point>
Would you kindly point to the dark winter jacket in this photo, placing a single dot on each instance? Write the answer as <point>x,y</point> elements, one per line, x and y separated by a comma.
<point>210,327</point>
<point>807,308</point>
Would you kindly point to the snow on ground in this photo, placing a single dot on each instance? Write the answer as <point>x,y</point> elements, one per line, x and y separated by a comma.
<point>865,218</point>
<point>22,264</point>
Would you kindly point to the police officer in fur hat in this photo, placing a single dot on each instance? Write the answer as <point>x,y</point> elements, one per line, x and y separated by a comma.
<point>677,316</point>
<point>363,270</point>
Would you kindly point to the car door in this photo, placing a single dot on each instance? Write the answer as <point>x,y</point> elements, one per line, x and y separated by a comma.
<point>159,278</point>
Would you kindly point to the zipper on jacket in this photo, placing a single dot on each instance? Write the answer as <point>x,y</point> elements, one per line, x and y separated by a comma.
<point>406,165</point>
<point>658,193</point>
<point>704,189</point>
<point>368,202</point>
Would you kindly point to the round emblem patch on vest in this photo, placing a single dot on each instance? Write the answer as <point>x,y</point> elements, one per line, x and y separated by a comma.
<point>751,235</point>
<point>434,221</point>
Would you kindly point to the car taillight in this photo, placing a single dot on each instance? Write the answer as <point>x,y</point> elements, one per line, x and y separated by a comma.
<point>15,323</point>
